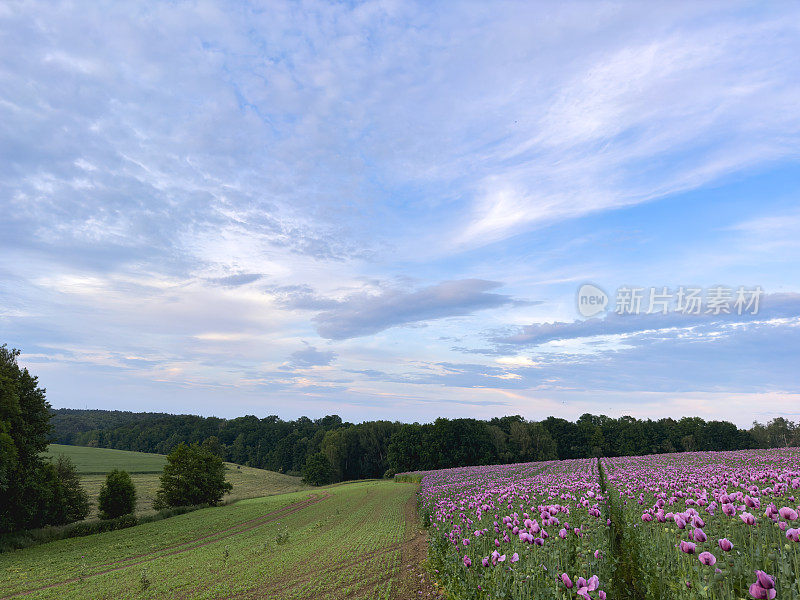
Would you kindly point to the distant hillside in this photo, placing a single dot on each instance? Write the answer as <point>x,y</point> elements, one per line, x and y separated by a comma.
<point>68,422</point>
<point>94,461</point>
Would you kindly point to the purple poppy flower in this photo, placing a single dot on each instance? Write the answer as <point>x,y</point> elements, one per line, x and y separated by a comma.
<point>688,547</point>
<point>700,535</point>
<point>764,580</point>
<point>760,593</point>
<point>725,544</point>
<point>707,558</point>
<point>567,581</point>
<point>467,561</point>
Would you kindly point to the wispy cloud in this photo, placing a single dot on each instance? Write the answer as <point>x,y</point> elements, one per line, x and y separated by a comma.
<point>773,306</point>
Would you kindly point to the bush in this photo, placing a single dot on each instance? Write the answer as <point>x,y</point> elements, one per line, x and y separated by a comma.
<point>192,475</point>
<point>33,537</point>
<point>117,496</point>
<point>318,470</point>
<point>72,501</point>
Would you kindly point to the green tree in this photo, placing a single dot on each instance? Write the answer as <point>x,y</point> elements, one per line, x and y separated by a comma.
<point>317,470</point>
<point>72,500</point>
<point>28,483</point>
<point>117,496</point>
<point>213,445</point>
<point>192,475</point>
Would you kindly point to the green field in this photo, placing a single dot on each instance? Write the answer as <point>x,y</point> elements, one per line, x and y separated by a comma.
<point>94,463</point>
<point>342,541</point>
<point>99,461</point>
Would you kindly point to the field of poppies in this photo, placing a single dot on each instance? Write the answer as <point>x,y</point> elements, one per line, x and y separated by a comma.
<point>720,525</point>
<point>711,524</point>
<point>535,530</point>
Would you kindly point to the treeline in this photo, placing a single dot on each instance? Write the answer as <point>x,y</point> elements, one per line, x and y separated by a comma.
<point>371,449</point>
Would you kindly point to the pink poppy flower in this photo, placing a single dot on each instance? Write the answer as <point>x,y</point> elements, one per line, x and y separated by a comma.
<point>725,544</point>
<point>707,558</point>
<point>700,535</point>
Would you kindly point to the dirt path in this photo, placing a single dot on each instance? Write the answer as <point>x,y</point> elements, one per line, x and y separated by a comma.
<point>414,581</point>
<point>189,545</point>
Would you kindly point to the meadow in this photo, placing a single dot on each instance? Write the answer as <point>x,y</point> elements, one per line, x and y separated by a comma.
<point>94,463</point>
<point>341,541</point>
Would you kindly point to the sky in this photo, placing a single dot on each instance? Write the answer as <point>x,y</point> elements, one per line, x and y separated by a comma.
<point>385,210</point>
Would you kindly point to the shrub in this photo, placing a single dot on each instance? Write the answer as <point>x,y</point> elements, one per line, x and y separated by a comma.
<point>117,496</point>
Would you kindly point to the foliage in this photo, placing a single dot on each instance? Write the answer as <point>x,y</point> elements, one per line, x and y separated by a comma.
<point>318,470</point>
<point>35,492</point>
<point>192,475</point>
<point>71,501</point>
<point>117,496</point>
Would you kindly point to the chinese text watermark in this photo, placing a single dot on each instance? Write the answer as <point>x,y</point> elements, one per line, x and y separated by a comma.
<point>687,300</point>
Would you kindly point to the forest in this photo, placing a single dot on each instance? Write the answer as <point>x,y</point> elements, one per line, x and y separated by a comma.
<point>374,448</point>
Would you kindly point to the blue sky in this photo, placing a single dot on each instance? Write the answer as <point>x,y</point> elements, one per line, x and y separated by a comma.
<point>385,209</point>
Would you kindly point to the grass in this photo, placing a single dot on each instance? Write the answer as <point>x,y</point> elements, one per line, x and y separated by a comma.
<point>335,542</point>
<point>99,461</point>
<point>95,463</point>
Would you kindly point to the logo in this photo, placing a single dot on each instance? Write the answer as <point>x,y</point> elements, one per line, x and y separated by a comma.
<point>591,300</point>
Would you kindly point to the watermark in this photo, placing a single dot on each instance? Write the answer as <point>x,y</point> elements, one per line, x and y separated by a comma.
<point>591,300</point>
<point>686,300</point>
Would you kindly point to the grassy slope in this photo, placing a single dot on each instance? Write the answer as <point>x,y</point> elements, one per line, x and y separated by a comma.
<point>344,545</point>
<point>94,463</point>
<point>91,461</point>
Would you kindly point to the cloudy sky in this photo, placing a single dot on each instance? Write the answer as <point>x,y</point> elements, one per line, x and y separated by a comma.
<point>385,209</point>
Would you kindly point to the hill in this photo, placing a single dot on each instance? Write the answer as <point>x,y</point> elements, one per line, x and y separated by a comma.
<point>94,463</point>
